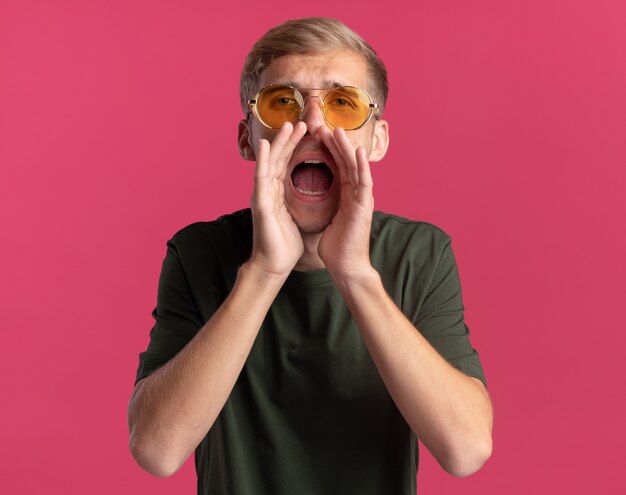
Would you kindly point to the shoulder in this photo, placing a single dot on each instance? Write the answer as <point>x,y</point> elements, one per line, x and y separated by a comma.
<point>227,239</point>
<point>233,224</point>
<point>393,232</point>
<point>410,257</point>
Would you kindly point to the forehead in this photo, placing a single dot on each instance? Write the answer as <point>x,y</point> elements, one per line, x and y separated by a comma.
<point>317,70</point>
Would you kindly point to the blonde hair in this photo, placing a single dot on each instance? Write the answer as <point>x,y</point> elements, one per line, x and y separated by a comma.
<point>310,35</point>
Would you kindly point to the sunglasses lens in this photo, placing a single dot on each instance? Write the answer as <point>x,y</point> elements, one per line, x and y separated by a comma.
<point>277,105</point>
<point>347,107</point>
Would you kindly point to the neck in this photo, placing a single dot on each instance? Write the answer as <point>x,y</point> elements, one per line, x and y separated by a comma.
<point>310,260</point>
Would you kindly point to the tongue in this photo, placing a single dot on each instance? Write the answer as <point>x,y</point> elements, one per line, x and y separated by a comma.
<point>312,178</point>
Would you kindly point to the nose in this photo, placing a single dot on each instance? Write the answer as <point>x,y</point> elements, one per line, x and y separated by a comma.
<point>312,113</point>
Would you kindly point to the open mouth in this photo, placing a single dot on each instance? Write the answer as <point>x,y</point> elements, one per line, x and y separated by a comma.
<point>312,178</point>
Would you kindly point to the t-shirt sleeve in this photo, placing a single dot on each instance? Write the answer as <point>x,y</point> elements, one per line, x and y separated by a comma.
<point>441,318</point>
<point>177,318</point>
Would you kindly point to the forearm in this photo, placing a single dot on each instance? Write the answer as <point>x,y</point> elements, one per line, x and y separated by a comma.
<point>174,408</point>
<point>449,411</point>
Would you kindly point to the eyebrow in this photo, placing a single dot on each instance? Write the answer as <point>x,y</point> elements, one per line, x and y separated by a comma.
<point>326,84</point>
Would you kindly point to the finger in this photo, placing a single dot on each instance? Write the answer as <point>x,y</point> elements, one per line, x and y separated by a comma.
<point>261,172</point>
<point>298,133</point>
<point>279,141</point>
<point>261,169</point>
<point>366,182</point>
<point>330,143</point>
<point>348,152</point>
<point>283,145</point>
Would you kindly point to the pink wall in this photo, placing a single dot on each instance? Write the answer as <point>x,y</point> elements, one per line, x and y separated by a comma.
<point>508,125</point>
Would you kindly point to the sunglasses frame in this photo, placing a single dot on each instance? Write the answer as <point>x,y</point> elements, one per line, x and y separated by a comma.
<point>373,107</point>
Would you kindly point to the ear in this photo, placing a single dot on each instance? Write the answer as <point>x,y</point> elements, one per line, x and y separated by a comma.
<point>380,141</point>
<point>244,141</point>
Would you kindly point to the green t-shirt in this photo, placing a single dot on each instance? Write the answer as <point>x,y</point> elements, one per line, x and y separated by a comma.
<point>309,413</point>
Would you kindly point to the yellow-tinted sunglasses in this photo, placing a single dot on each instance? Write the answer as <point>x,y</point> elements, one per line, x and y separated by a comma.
<point>347,107</point>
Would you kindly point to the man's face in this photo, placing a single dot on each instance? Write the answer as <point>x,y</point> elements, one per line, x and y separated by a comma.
<point>312,190</point>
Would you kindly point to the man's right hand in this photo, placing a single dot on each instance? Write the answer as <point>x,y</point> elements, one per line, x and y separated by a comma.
<point>172,410</point>
<point>277,243</point>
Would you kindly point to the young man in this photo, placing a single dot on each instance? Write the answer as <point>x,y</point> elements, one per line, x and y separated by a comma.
<point>301,346</point>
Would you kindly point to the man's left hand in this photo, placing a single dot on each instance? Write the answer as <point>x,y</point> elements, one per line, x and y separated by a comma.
<point>344,246</point>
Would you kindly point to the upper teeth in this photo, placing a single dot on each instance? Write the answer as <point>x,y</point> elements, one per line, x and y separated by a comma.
<point>313,161</point>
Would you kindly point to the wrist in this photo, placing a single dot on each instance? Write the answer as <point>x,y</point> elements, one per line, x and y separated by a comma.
<point>358,278</point>
<point>257,273</point>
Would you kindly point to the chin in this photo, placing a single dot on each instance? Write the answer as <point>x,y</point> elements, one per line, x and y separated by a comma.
<point>313,226</point>
<point>312,218</point>
<point>310,229</point>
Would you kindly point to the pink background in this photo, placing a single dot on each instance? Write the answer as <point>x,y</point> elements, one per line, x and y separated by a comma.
<point>118,127</point>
